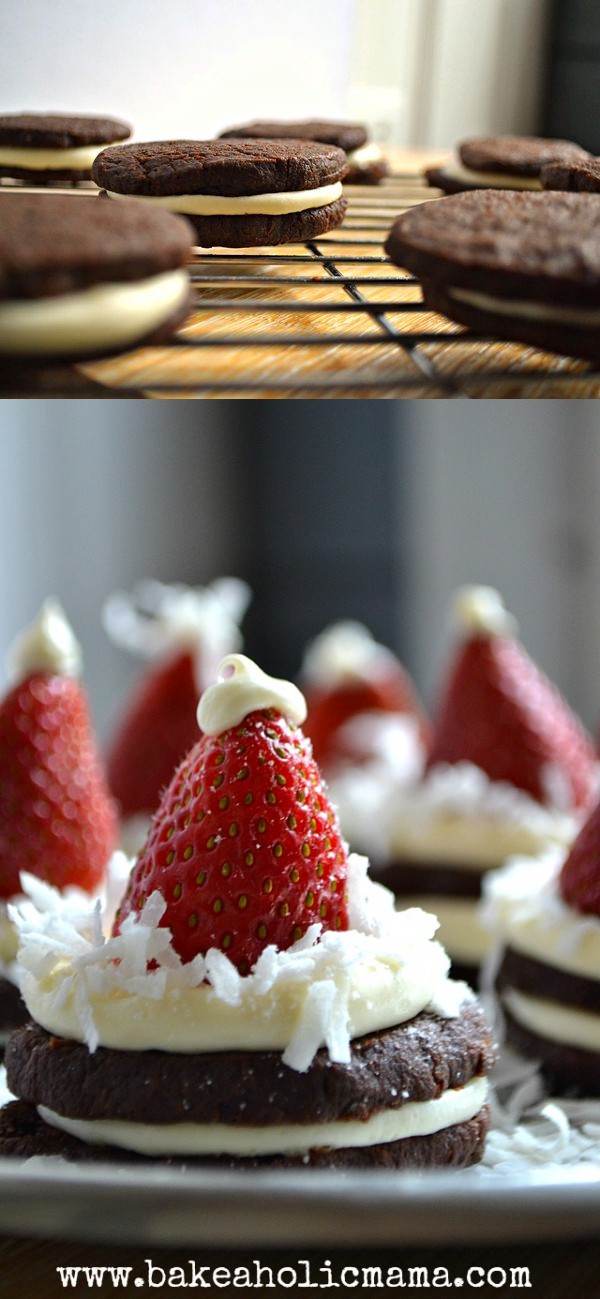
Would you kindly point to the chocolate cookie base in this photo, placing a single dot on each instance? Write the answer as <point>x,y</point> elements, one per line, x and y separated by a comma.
<point>371,175</point>
<point>439,178</point>
<point>257,231</point>
<point>24,1134</point>
<point>568,1070</point>
<point>408,878</point>
<point>53,176</point>
<point>415,1061</point>
<point>576,177</point>
<point>13,1011</point>
<point>543,334</point>
<point>539,979</point>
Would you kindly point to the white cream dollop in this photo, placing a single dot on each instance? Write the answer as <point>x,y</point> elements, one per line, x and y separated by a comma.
<point>241,688</point>
<point>477,609</point>
<point>344,653</point>
<point>323,991</point>
<point>48,645</point>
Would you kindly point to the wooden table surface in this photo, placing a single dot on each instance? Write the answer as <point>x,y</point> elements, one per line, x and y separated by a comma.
<point>332,318</point>
<point>28,1268</point>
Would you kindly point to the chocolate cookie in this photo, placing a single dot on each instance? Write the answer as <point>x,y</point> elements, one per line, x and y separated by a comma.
<point>366,163</point>
<point>13,1012</point>
<point>416,1061</point>
<point>502,162</point>
<point>23,1134</point>
<point>83,278</point>
<point>579,177</point>
<point>516,266</point>
<point>51,148</point>
<point>236,193</point>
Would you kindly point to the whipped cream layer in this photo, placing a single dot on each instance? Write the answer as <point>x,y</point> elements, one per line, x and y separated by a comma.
<point>553,1020</point>
<point>578,317</point>
<point>91,319</point>
<point>456,170</point>
<point>415,1119</point>
<point>278,204</point>
<point>456,815</point>
<point>523,908</point>
<point>79,158</point>
<point>326,989</point>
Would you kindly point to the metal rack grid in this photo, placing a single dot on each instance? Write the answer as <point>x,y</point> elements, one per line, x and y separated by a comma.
<point>330,318</point>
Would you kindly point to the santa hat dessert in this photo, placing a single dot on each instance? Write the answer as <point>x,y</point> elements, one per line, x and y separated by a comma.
<point>58,823</point>
<point>183,632</point>
<point>260,1000</point>
<point>546,914</point>
<point>511,771</point>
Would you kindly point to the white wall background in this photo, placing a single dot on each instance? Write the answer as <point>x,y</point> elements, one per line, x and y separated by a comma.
<point>420,72</point>
<point>96,496</point>
<point>505,494</point>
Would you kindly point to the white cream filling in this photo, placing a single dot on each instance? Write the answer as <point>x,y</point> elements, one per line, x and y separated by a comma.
<point>242,205</point>
<point>365,155</point>
<point>553,1020</point>
<point>579,317</point>
<point>523,908</point>
<point>323,991</point>
<point>415,1119</point>
<point>456,170</point>
<point>74,159</point>
<point>105,315</point>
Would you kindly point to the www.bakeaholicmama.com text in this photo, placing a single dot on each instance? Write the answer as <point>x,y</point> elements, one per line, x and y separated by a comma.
<point>303,1275</point>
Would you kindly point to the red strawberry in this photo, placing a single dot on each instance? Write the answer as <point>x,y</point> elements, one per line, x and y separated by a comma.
<point>347,674</point>
<point>245,847</point>
<point>56,816</point>
<point>155,732</point>
<point>501,713</point>
<point>579,880</point>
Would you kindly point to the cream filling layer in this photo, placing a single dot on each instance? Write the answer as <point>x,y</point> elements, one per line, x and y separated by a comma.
<point>522,906</point>
<point>579,317</point>
<point>415,1119</point>
<point>456,170</point>
<point>554,1021</point>
<point>365,155</point>
<point>243,205</point>
<point>76,159</point>
<point>461,931</point>
<point>105,315</point>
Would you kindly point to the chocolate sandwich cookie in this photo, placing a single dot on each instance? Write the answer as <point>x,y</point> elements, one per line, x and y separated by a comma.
<point>581,177</point>
<point>510,265</point>
<point>236,193</point>
<point>414,1065</point>
<point>52,148</point>
<point>13,1011</point>
<point>567,1067</point>
<point>80,277</point>
<point>502,162</point>
<point>366,163</point>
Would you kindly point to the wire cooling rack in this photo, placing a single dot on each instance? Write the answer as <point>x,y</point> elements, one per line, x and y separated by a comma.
<point>329,318</point>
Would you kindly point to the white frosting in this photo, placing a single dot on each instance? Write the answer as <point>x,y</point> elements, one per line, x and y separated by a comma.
<point>9,942</point>
<point>243,205</point>
<point>241,688</point>
<point>523,908</point>
<point>323,991</point>
<point>156,619</point>
<point>345,654</point>
<point>455,170</point>
<point>414,1119</point>
<point>91,319</point>
<point>554,1021</point>
<point>75,159</point>
<point>48,645</point>
<point>480,609</point>
<point>365,155</point>
<point>579,317</point>
<point>461,931</point>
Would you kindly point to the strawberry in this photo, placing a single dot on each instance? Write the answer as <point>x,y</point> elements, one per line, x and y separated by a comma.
<point>245,847</point>
<point>579,880</point>
<point>56,816</point>
<point>501,713</point>
<point>155,732</point>
<point>348,674</point>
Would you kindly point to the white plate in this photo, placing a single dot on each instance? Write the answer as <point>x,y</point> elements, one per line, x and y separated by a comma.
<point>47,1198</point>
